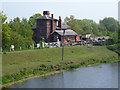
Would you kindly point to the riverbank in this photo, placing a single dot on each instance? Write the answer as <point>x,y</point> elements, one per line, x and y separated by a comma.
<point>42,62</point>
<point>71,66</point>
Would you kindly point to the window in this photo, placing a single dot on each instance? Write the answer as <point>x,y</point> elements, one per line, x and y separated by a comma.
<point>73,38</point>
<point>55,38</point>
<point>41,30</point>
<point>66,39</point>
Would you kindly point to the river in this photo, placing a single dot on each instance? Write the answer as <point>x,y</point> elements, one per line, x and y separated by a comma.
<point>99,76</point>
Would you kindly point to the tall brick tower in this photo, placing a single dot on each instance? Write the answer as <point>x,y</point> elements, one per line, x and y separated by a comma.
<point>45,25</point>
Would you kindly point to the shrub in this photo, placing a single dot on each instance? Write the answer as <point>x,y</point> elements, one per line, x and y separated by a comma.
<point>45,69</point>
<point>74,66</point>
<point>40,69</point>
<point>43,66</point>
<point>35,71</point>
<point>4,52</point>
<point>59,69</point>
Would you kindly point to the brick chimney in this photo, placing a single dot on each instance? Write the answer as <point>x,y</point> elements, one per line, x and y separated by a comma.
<point>46,13</point>
<point>52,23</point>
<point>60,22</point>
<point>52,16</point>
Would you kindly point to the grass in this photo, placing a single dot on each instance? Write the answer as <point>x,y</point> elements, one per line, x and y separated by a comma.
<point>20,64</point>
<point>115,48</point>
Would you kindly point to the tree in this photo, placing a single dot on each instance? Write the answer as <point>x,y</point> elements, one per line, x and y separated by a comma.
<point>88,26</point>
<point>110,23</point>
<point>26,31</point>
<point>32,19</point>
<point>66,20</point>
<point>74,24</point>
<point>3,17</point>
<point>15,24</point>
<point>119,33</point>
<point>17,40</point>
<point>102,30</point>
<point>5,36</point>
<point>5,32</point>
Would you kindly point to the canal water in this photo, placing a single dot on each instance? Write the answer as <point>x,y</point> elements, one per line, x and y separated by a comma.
<point>100,76</point>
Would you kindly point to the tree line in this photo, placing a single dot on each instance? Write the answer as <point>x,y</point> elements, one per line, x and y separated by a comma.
<point>19,32</point>
<point>106,27</point>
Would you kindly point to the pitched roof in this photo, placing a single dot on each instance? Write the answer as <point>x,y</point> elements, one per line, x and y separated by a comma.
<point>34,26</point>
<point>45,17</point>
<point>67,32</point>
<point>103,37</point>
<point>64,27</point>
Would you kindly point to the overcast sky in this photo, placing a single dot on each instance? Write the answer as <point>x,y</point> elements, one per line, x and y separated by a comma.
<point>81,9</point>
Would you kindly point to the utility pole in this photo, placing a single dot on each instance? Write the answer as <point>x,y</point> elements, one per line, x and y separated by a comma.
<point>63,45</point>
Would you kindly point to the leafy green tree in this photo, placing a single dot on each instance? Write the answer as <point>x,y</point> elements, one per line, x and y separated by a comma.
<point>74,24</point>
<point>102,30</point>
<point>89,26</point>
<point>95,29</point>
<point>5,32</point>
<point>17,40</point>
<point>16,24</point>
<point>3,17</point>
<point>66,20</point>
<point>21,30</point>
<point>26,31</point>
<point>5,36</point>
<point>119,33</point>
<point>32,20</point>
<point>110,23</point>
<point>0,29</point>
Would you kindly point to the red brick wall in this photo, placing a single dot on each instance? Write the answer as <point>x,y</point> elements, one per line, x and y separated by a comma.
<point>48,28</point>
<point>55,24</point>
<point>43,29</point>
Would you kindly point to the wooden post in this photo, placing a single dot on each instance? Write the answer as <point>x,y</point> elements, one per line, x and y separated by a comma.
<point>63,45</point>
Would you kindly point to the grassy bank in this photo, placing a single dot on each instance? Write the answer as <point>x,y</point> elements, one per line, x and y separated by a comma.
<point>115,48</point>
<point>23,64</point>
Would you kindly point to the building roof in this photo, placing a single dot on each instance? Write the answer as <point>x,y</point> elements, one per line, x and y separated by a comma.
<point>103,37</point>
<point>45,17</point>
<point>64,27</point>
<point>86,35</point>
<point>67,32</point>
<point>34,26</point>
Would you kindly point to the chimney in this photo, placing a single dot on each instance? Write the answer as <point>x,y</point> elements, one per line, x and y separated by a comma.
<point>52,23</point>
<point>46,13</point>
<point>60,22</point>
<point>52,16</point>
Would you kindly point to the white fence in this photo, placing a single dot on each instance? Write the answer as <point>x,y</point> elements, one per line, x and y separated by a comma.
<point>53,44</point>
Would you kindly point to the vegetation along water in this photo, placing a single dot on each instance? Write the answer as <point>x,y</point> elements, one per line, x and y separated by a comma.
<point>21,65</point>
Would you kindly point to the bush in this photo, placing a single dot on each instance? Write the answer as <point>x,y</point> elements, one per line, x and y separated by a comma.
<point>40,69</point>
<point>35,71</point>
<point>4,52</point>
<point>43,66</point>
<point>74,66</point>
<point>59,69</point>
<point>114,48</point>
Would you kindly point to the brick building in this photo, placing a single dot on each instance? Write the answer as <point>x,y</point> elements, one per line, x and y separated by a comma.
<point>51,29</point>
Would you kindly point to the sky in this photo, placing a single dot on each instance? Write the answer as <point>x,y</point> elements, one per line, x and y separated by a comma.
<point>81,9</point>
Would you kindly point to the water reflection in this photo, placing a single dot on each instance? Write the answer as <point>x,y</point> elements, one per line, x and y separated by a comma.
<point>101,76</point>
